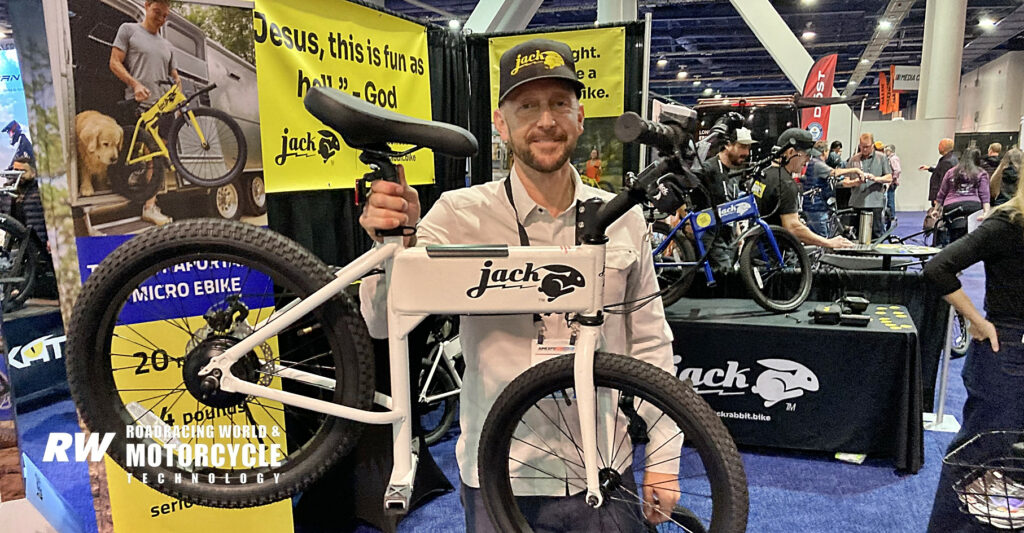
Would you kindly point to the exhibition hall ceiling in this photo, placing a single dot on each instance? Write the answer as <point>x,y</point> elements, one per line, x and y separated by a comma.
<point>709,41</point>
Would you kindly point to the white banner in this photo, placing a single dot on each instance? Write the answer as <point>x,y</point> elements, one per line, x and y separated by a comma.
<point>906,78</point>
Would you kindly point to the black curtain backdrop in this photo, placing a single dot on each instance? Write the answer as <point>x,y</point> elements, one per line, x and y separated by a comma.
<point>480,104</point>
<point>327,221</point>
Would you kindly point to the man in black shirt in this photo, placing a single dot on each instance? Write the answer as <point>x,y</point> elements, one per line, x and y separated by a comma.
<point>722,188</point>
<point>778,196</point>
<point>733,157</point>
<point>947,160</point>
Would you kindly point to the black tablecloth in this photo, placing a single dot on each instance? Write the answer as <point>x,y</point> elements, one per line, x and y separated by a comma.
<point>910,289</point>
<point>783,383</point>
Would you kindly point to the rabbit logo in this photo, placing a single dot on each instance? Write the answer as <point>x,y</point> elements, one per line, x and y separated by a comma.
<point>783,380</point>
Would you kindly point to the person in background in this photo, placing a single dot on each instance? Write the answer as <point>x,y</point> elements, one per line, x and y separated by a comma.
<point>947,160</point>
<point>593,169</point>
<point>991,160</point>
<point>29,205</point>
<point>992,370</point>
<point>816,207</point>
<point>1004,180</point>
<point>868,189</point>
<point>141,58</point>
<point>835,155</point>
<point>964,187</point>
<point>879,146</point>
<point>724,188</point>
<point>897,170</point>
<point>540,116</point>
<point>20,141</point>
<point>778,196</point>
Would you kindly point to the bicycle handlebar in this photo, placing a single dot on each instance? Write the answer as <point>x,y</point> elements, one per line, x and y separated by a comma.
<point>630,127</point>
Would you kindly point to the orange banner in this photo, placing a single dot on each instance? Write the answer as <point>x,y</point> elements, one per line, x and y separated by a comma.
<point>883,93</point>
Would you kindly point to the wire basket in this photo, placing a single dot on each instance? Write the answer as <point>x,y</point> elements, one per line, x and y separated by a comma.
<point>989,474</point>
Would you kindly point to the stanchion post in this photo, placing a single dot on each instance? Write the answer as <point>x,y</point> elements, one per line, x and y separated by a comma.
<point>938,421</point>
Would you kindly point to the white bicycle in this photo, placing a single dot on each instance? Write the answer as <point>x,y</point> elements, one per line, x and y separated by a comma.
<point>268,350</point>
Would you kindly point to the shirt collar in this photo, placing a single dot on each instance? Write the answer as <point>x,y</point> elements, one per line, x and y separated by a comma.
<point>526,205</point>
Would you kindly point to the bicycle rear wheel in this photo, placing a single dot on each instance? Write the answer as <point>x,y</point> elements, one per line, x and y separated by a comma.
<point>530,444</point>
<point>160,306</point>
<point>141,180</point>
<point>677,278</point>
<point>212,156</point>
<point>19,262</point>
<point>777,286</point>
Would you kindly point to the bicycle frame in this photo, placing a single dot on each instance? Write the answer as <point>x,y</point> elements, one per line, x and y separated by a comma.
<point>543,279</point>
<point>743,208</point>
<point>172,101</point>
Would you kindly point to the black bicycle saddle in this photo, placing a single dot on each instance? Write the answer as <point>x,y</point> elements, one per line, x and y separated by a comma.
<point>363,125</point>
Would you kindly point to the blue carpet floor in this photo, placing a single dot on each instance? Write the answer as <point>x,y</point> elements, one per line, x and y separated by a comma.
<point>789,492</point>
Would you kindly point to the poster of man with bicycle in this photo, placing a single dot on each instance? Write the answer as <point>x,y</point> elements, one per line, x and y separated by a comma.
<point>165,118</point>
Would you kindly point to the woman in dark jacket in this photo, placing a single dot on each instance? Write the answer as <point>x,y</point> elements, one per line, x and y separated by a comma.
<point>994,369</point>
<point>1005,177</point>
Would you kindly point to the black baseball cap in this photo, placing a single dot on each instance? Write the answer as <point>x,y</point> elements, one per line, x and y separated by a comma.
<point>534,60</point>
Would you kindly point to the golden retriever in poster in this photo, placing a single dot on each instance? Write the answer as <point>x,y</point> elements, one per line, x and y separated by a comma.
<point>99,139</point>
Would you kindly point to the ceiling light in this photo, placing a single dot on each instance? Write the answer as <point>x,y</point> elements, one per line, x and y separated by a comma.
<point>718,95</point>
<point>987,22</point>
<point>681,75</point>
<point>864,61</point>
<point>454,24</point>
<point>884,24</point>
<point>808,33</point>
<point>662,62</point>
<point>708,91</point>
<point>807,2</point>
<point>696,83</point>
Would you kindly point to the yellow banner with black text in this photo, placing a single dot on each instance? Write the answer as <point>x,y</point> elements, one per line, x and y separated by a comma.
<point>371,55</point>
<point>599,57</point>
<point>598,54</point>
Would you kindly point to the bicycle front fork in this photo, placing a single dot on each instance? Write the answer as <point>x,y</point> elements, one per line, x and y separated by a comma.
<point>586,399</point>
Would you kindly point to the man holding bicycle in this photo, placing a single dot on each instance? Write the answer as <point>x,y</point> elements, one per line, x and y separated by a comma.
<point>539,115</point>
<point>142,58</point>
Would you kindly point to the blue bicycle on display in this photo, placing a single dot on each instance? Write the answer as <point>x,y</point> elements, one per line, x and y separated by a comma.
<point>772,263</point>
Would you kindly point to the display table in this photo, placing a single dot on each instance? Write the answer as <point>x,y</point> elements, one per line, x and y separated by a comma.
<point>783,381</point>
<point>889,251</point>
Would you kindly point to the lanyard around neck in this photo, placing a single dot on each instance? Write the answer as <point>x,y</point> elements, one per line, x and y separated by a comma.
<point>524,239</point>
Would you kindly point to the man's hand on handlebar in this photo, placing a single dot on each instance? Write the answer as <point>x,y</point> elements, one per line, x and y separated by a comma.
<point>389,206</point>
<point>141,92</point>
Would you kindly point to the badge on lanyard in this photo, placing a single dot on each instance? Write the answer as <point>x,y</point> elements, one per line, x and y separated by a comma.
<point>542,348</point>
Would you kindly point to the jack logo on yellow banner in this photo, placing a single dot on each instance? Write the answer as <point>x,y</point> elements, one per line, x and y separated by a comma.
<point>368,54</point>
<point>598,54</point>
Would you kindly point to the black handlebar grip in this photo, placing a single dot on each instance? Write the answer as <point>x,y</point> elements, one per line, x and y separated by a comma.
<point>630,127</point>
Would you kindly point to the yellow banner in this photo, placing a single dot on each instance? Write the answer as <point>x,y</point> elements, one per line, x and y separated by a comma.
<point>598,54</point>
<point>377,57</point>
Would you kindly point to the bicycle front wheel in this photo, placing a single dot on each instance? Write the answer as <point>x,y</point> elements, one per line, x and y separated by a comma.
<point>155,312</point>
<point>776,285</point>
<point>212,154</point>
<point>648,419</point>
<point>19,261</point>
